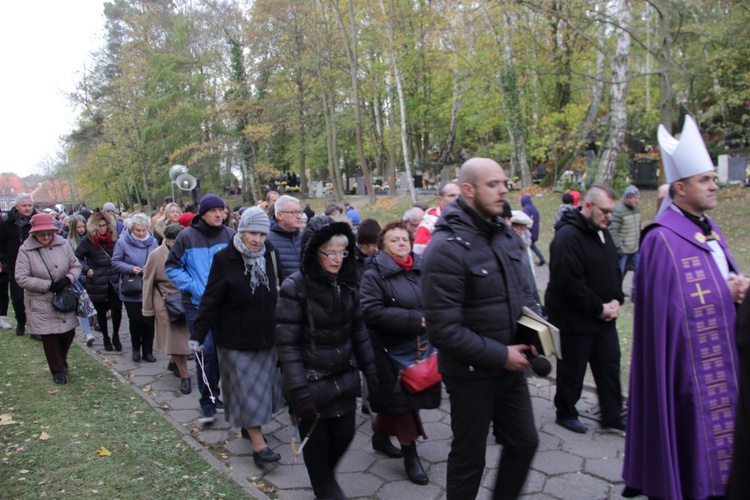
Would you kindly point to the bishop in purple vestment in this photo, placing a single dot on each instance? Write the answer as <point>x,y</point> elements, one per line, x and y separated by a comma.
<point>684,369</point>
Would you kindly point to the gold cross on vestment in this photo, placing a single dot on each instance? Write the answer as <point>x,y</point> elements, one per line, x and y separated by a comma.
<point>700,293</point>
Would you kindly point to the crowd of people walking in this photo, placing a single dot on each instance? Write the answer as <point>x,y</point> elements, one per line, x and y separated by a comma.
<point>285,309</point>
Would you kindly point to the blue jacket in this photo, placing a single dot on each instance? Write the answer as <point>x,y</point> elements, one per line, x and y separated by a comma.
<point>530,209</point>
<point>130,252</point>
<point>288,245</point>
<point>190,259</point>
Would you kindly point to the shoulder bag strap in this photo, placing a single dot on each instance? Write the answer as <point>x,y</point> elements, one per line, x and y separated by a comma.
<point>45,265</point>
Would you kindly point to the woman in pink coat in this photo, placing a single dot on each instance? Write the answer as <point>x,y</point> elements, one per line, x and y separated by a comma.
<point>45,265</point>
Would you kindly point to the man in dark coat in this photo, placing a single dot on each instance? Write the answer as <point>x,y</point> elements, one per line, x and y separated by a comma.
<point>474,290</point>
<point>583,299</point>
<point>285,233</point>
<point>530,209</point>
<point>13,232</point>
<point>739,481</point>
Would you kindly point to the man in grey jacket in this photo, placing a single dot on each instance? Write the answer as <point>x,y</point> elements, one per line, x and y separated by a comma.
<point>625,229</point>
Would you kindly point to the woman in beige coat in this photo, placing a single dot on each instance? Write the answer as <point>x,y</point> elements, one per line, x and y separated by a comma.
<point>172,338</point>
<point>46,264</point>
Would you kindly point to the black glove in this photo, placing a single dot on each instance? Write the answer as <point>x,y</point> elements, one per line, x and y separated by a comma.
<point>372,383</point>
<point>305,408</point>
<point>620,253</point>
<point>59,285</point>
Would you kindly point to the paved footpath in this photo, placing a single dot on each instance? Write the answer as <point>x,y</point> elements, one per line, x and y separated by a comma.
<point>566,465</point>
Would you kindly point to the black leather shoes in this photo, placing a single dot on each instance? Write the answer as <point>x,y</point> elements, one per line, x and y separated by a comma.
<point>60,380</point>
<point>617,424</point>
<point>572,424</point>
<point>149,358</point>
<point>38,338</point>
<point>185,387</point>
<point>382,443</point>
<point>265,456</point>
<point>136,356</point>
<point>173,368</point>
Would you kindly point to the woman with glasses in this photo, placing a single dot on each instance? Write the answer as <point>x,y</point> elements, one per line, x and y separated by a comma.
<point>322,345</point>
<point>392,305</point>
<point>46,265</point>
<point>102,279</point>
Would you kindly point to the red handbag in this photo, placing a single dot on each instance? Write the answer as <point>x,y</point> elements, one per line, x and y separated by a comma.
<point>416,364</point>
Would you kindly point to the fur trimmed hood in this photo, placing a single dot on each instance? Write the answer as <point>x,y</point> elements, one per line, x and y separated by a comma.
<point>93,223</point>
<point>319,230</point>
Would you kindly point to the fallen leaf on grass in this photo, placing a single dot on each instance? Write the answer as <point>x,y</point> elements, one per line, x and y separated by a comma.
<point>23,471</point>
<point>103,452</point>
<point>44,436</point>
<point>7,419</point>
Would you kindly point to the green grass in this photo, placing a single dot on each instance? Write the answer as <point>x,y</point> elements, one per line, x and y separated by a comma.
<point>148,455</point>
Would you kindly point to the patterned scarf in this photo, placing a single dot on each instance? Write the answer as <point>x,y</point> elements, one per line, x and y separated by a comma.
<point>254,263</point>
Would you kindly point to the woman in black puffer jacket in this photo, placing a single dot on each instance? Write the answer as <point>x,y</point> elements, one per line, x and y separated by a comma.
<point>392,305</point>
<point>102,279</point>
<point>322,345</point>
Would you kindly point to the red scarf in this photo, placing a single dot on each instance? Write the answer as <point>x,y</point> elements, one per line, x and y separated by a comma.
<point>407,264</point>
<point>105,239</point>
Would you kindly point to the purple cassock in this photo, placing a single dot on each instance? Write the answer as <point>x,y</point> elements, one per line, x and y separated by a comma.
<point>683,374</point>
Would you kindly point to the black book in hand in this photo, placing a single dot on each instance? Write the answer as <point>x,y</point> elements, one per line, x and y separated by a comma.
<point>534,330</point>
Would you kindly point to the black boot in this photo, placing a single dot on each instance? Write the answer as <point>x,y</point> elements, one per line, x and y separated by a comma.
<point>413,466</point>
<point>382,443</point>
<point>116,342</point>
<point>107,342</point>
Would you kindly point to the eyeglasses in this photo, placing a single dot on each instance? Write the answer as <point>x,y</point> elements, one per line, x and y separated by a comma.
<point>295,213</point>
<point>330,255</point>
<point>103,225</point>
<point>45,234</point>
<point>604,211</point>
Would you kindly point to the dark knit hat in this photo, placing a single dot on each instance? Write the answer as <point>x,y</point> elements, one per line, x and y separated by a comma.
<point>209,202</point>
<point>368,232</point>
<point>171,231</point>
<point>507,212</point>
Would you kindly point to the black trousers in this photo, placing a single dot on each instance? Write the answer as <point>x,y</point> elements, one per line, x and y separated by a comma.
<point>56,347</point>
<point>602,351</point>
<point>474,403</point>
<point>16,296</point>
<point>328,443</point>
<point>112,303</point>
<point>141,332</point>
<point>4,295</point>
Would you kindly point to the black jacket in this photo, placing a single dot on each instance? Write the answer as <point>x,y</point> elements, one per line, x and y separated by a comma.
<point>239,319</point>
<point>320,333</point>
<point>584,275</point>
<point>392,305</point>
<point>474,288</point>
<point>12,236</point>
<point>99,260</point>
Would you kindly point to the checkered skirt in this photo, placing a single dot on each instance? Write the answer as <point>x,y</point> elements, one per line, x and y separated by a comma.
<point>250,385</point>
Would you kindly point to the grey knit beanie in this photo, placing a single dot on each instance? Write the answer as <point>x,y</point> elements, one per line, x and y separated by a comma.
<point>254,220</point>
<point>631,191</point>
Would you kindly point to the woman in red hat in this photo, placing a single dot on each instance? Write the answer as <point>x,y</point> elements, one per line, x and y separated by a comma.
<point>46,265</point>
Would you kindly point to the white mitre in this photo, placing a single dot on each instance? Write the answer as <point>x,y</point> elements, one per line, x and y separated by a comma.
<point>685,157</point>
